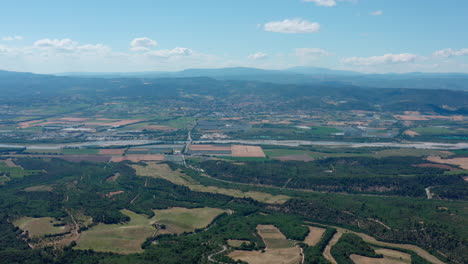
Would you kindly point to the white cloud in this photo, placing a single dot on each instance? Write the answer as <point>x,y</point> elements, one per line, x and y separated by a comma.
<point>11,38</point>
<point>311,52</point>
<point>258,56</point>
<point>296,25</point>
<point>385,59</point>
<point>69,47</point>
<point>58,45</point>
<point>166,53</point>
<point>322,2</point>
<point>450,53</point>
<point>376,13</point>
<point>142,44</point>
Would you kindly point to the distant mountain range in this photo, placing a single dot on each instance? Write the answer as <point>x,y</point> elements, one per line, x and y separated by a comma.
<point>20,87</point>
<point>305,75</point>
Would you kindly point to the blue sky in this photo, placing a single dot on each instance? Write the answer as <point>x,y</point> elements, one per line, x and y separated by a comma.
<point>141,35</point>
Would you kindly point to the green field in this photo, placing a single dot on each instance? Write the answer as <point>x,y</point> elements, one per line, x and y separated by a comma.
<point>434,130</point>
<point>46,151</point>
<point>39,188</point>
<point>119,238</point>
<point>181,122</point>
<point>38,227</point>
<point>127,238</point>
<point>278,152</point>
<point>15,172</point>
<point>164,172</point>
<point>178,220</point>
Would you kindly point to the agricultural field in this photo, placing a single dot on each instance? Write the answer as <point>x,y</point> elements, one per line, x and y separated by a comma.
<point>247,151</point>
<point>237,242</point>
<point>119,238</point>
<point>138,157</point>
<point>307,155</point>
<point>314,236</point>
<point>178,220</point>
<point>39,188</point>
<point>273,238</point>
<point>278,249</point>
<point>280,256</point>
<point>116,152</point>
<point>461,162</point>
<point>10,170</point>
<point>127,238</point>
<point>39,227</point>
<point>80,151</point>
<point>389,257</point>
<point>163,171</point>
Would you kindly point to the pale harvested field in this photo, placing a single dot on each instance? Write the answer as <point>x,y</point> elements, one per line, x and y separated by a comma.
<point>113,177</point>
<point>410,118</point>
<point>273,238</point>
<point>462,162</point>
<point>276,256</point>
<point>247,151</point>
<point>39,188</point>
<point>138,157</point>
<point>210,147</point>
<point>28,124</point>
<point>432,165</point>
<point>390,257</point>
<point>411,133</point>
<point>157,170</point>
<point>108,195</point>
<point>10,163</point>
<point>314,236</point>
<point>74,119</point>
<point>111,151</point>
<point>393,254</point>
<point>38,227</point>
<point>327,251</point>
<point>421,252</point>
<point>116,123</point>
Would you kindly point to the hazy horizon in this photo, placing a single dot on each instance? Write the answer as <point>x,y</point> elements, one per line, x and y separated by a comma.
<point>358,35</point>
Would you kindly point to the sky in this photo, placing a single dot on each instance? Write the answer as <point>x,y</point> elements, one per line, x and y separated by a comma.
<point>372,36</point>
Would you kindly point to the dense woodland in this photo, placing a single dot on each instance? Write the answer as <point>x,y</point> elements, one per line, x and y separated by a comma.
<point>81,187</point>
<point>388,176</point>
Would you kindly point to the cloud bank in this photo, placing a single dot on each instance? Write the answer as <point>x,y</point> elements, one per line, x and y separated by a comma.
<point>296,25</point>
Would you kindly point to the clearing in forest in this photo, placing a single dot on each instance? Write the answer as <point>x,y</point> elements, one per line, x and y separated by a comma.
<point>42,226</point>
<point>163,171</point>
<point>314,236</point>
<point>39,188</point>
<point>237,242</point>
<point>178,220</point>
<point>127,238</point>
